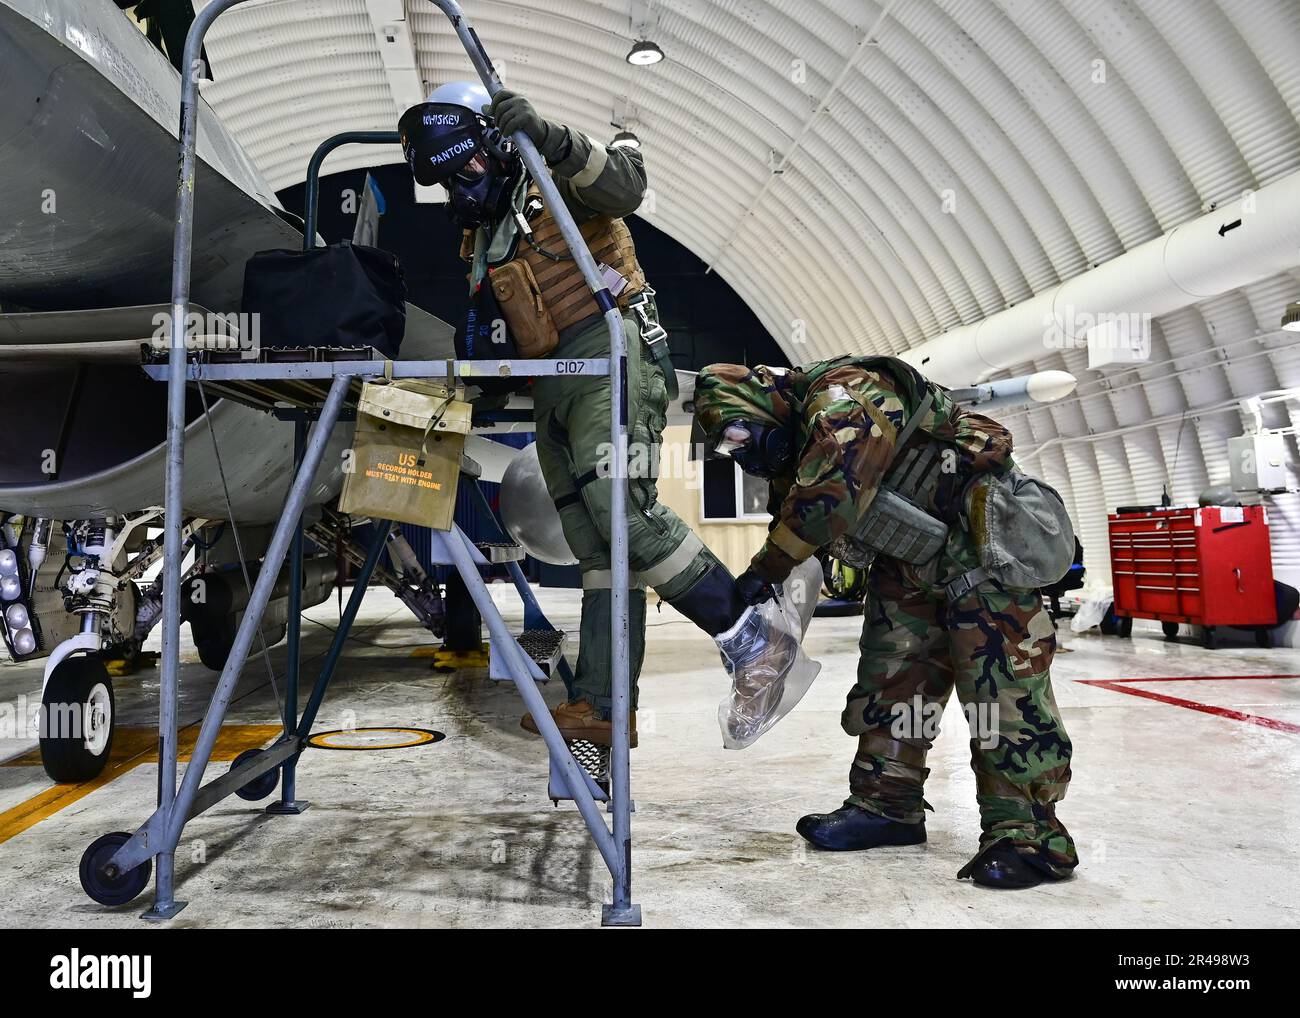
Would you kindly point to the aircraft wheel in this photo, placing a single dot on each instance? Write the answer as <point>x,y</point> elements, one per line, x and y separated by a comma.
<point>108,890</point>
<point>262,785</point>
<point>464,624</point>
<point>79,715</point>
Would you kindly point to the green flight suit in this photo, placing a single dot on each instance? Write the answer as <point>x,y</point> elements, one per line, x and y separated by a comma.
<point>572,415</point>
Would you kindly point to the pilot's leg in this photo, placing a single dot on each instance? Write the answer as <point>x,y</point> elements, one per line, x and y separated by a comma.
<point>573,431</point>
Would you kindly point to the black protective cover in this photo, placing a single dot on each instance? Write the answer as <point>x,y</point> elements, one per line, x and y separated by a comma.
<point>342,295</point>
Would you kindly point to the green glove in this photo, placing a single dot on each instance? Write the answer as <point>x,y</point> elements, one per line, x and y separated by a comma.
<point>512,112</point>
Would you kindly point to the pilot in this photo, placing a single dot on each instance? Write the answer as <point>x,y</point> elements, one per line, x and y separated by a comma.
<point>870,461</point>
<point>518,259</point>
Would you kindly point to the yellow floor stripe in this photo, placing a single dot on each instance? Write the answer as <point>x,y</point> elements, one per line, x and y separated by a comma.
<point>454,658</point>
<point>131,748</point>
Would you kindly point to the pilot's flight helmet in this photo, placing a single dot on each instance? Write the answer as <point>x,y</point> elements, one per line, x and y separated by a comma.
<point>448,137</point>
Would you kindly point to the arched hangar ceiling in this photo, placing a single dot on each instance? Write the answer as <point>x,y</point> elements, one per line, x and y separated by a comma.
<point>869,174</point>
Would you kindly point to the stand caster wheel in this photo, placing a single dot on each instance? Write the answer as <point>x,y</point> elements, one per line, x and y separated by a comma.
<point>262,785</point>
<point>1170,629</point>
<point>1263,638</point>
<point>79,706</point>
<point>106,890</point>
<point>1209,638</point>
<point>1124,627</point>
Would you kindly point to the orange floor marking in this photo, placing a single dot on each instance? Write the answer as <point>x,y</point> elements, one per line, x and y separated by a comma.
<point>131,748</point>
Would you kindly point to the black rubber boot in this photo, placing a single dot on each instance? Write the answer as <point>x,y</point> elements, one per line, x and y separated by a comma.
<point>1003,868</point>
<point>852,829</point>
<point>714,603</point>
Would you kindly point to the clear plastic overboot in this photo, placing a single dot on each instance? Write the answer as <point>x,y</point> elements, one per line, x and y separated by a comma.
<point>769,671</point>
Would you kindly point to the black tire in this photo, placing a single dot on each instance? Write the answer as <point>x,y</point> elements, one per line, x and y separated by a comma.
<point>1263,637</point>
<point>464,624</point>
<point>213,640</point>
<point>118,890</point>
<point>1124,627</point>
<point>1170,629</point>
<point>79,708</point>
<point>1209,638</point>
<point>838,609</point>
<point>262,785</point>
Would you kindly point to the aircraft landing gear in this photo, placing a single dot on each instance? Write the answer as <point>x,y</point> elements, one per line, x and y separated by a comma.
<point>78,731</point>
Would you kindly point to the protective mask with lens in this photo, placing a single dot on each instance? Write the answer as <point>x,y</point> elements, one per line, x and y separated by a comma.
<point>760,449</point>
<point>485,200</point>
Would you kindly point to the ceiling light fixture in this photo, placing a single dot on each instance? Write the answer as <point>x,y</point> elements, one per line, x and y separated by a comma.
<point>1291,317</point>
<point>644,53</point>
<point>625,139</point>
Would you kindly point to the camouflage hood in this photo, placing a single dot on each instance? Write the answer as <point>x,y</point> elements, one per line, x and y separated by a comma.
<point>733,392</point>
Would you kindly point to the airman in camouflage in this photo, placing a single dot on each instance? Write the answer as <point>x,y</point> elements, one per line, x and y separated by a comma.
<point>842,419</point>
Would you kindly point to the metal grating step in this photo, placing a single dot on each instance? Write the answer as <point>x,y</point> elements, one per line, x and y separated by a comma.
<point>544,647</point>
<point>500,551</point>
<point>591,758</point>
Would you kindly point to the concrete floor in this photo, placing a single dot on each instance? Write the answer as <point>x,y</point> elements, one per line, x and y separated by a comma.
<point>1183,817</point>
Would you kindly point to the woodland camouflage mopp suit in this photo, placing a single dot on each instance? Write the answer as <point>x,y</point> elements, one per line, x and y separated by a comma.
<point>825,436</point>
<point>459,138</point>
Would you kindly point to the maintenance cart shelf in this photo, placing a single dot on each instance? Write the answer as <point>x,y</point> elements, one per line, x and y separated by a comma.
<point>282,367</point>
<point>297,378</point>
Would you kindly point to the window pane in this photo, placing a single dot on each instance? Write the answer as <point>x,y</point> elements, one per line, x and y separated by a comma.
<point>719,490</point>
<point>753,495</point>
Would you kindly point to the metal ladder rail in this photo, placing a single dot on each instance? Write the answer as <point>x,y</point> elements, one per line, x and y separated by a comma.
<point>621,911</point>
<point>534,617</point>
<point>160,834</point>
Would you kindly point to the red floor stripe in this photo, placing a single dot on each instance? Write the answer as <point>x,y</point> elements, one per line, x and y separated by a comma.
<point>1191,678</point>
<point>1205,708</point>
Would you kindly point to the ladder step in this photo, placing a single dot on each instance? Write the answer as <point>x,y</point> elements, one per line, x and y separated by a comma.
<point>497,552</point>
<point>591,758</point>
<point>544,647</point>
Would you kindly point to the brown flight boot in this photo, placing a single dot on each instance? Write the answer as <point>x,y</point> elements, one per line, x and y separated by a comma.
<point>580,720</point>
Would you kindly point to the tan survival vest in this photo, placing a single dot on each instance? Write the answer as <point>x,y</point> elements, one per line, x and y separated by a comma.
<point>541,291</point>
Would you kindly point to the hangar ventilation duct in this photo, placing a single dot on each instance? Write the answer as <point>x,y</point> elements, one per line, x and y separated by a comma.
<point>1233,246</point>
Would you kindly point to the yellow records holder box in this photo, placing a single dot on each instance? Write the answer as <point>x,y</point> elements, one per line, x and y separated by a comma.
<point>405,459</point>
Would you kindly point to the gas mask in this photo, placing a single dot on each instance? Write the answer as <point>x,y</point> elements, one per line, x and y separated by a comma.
<point>764,450</point>
<point>482,200</point>
<point>456,147</point>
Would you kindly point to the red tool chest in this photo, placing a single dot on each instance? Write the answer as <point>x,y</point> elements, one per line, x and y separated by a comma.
<point>1206,565</point>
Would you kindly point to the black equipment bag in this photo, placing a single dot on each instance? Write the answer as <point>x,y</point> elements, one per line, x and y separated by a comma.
<point>341,295</point>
